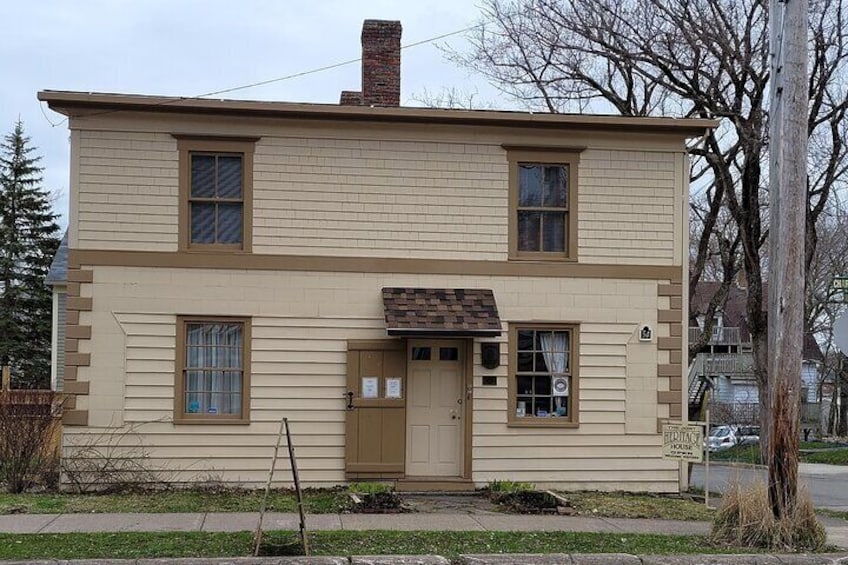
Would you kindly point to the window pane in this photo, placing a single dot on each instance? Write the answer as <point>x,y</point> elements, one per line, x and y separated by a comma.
<point>229,177</point>
<point>542,407</point>
<point>553,231</point>
<point>541,365</point>
<point>556,186</point>
<point>229,223</point>
<point>525,340</point>
<point>203,176</point>
<point>523,406</point>
<point>202,223</point>
<point>448,354</point>
<point>525,361</point>
<point>529,228</point>
<point>543,385</point>
<point>524,385</point>
<point>530,185</point>
<point>420,353</point>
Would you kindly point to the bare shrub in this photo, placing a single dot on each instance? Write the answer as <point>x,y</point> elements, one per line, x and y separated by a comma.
<point>745,519</point>
<point>115,460</point>
<point>29,420</point>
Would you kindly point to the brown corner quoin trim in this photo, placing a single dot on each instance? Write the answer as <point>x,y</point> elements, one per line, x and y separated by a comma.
<point>74,334</point>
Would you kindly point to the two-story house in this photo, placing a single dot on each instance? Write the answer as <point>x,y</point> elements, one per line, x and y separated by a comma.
<point>434,297</point>
<point>726,364</point>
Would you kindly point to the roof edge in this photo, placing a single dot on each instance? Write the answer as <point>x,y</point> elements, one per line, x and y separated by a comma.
<point>72,103</point>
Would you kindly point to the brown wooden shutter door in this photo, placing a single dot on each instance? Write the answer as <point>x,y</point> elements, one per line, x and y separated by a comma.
<point>375,437</point>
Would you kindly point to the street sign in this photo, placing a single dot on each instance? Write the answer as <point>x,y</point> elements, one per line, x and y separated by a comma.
<point>683,442</point>
<point>840,332</point>
<point>840,283</point>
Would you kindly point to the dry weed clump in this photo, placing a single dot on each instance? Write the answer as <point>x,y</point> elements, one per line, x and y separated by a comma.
<point>745,519</point>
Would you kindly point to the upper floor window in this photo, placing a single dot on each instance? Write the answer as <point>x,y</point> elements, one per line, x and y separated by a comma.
<point>216,178</point>
<point>543,212</point>
<point>216,198</point>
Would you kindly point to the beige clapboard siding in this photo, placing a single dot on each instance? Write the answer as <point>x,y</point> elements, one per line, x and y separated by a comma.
<point>325,191</point>
<point>127,192</point>
<point>298,370</point>
<point>626,207</point>
<point>407,199</point>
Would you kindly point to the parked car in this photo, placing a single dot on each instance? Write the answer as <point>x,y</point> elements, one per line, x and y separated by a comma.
<point>725,437</point>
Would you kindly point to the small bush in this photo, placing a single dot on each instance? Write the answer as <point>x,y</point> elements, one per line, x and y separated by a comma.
<point>745,519</point>
<point>510,487</point>
<point>114,461</point>
<point>369,488</point>
<point>30,423</point>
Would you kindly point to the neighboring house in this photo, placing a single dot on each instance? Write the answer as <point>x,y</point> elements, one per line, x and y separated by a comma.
<point>437,297</point>
<point>727,363</point>
<point>57,278</point>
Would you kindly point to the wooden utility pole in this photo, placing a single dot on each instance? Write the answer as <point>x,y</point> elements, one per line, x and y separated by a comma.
<point>787,199</point>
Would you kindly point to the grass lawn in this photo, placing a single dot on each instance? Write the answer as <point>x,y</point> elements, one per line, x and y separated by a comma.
<point>135,545</point>
<point>610,505</point>
<point>751,454</point>
<point>739,454</point>
<point>627,505</point>
<point>830,457</point>
<point>833,513</point>
<point>316,502</point>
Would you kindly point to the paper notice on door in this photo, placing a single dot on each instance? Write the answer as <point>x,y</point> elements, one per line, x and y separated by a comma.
<point>393,389</point>
<point>370,387</point>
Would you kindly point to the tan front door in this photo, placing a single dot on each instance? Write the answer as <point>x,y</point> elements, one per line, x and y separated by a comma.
<point>434,410</point>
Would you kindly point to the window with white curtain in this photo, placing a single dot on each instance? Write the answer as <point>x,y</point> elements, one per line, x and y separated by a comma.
<point>543,384</point>
<point>212,369</point>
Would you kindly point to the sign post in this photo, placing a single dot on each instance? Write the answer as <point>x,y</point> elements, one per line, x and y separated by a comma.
<point>685,442</point>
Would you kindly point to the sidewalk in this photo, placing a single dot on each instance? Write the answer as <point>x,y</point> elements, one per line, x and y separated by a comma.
<point>246,521</point>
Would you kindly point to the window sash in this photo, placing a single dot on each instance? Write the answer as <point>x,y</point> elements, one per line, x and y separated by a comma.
<point>532,377</point>
<point>216,202</point>
<point>534,237</point>
<point>213,368</point>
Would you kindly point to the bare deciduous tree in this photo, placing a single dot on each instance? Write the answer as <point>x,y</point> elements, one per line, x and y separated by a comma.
<point>687,58</point>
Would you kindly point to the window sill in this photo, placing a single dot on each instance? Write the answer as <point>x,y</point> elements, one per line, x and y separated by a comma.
<point>215,248</point>
<point>542,423</point>
<point>211,421</point>
<point>543,258</point>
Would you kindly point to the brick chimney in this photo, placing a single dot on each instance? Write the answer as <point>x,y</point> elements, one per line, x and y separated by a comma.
<point>380,65</point>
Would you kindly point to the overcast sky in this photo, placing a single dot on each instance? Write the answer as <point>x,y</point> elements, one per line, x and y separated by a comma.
<point>190,47</point>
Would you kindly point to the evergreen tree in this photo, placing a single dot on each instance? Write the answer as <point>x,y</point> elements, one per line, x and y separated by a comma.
<point>29,237</point>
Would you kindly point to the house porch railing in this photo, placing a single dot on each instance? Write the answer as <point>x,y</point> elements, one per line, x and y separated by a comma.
<point>720,336</point>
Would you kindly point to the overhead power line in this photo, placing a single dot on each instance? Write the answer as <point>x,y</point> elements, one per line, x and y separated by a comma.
<point>282,78</point>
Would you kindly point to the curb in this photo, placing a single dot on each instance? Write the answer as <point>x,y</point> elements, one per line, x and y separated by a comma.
<point>481,559</point>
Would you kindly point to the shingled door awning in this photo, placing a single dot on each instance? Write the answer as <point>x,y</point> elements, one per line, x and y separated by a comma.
<point>441,312</point>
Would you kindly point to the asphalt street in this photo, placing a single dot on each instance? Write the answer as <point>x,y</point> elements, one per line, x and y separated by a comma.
<point>827,484</point>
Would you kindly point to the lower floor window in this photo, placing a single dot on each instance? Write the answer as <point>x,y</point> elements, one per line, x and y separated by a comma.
<point>212,368</point>
<point>543,378</point>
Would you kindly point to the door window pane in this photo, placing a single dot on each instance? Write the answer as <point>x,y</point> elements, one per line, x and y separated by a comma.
<point>448,354</point>
<point>420,353</point>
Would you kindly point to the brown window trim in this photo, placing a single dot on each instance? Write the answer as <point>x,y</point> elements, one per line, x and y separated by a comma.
<point>573,421</point>
<point>180,416</point>
<point>187,144</point>
<point>543,156</point>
